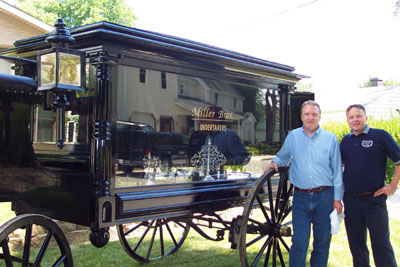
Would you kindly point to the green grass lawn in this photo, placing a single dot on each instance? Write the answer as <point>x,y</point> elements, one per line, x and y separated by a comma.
<point>197,251</point>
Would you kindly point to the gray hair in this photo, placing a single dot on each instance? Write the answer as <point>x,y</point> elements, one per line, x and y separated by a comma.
<point>310,102</point>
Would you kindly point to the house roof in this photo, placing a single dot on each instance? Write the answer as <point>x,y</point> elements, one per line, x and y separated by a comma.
<point>24,17</point>
<point>379,101</point>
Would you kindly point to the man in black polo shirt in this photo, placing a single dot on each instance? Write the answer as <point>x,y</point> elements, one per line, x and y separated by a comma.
<point>364,154</point>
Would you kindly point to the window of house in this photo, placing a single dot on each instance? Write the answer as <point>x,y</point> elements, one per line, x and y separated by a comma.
<point>142,75</point>
<point>45,125</point>
<point>163,80</point>
<point>234,103</point>
<point>181,89</point>
<point>216,99</point>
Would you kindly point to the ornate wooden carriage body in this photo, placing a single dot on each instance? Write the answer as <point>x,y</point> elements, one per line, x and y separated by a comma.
<point>135,76</point>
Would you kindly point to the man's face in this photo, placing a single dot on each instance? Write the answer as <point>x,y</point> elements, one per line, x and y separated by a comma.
<point>357,120</point>
<point>310,116</point>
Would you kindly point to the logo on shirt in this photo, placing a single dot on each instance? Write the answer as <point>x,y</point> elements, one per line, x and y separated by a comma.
<point>367,143</point>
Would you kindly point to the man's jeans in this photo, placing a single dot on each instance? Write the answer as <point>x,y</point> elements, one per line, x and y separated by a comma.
<point>310,209</point>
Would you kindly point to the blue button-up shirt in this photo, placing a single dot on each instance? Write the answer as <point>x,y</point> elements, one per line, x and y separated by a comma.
<point>314,161</point>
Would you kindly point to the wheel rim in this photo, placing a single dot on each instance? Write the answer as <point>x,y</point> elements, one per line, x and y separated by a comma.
<point>36,233</point>
<point>151,240</point>
<point>265,222</point>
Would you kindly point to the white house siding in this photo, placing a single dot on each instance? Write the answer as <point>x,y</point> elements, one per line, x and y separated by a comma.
<point>16,25</point>
<point>148,102</point>
<point>145,102</point>
<point>14,28</point>
<point>190,87</point>
<point>5,67</point>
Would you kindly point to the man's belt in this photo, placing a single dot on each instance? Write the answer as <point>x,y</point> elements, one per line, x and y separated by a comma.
<point>364,194</point>
<point>313,190</point>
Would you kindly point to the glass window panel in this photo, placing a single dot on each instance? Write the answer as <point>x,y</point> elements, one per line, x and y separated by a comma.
<point>70,69</point>
<point>162,136</point>
<point>143,75</point>
<point>77,119</point>
<point>48,71</point>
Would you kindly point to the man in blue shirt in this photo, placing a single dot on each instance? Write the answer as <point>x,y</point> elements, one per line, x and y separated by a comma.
<point>364,154</point>
<point>316,173</point>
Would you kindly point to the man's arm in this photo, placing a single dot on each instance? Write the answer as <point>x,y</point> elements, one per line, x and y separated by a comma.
<point>282,157</point>
<point>393,152</point>
<point>391,188</point>
<point>336,165</point>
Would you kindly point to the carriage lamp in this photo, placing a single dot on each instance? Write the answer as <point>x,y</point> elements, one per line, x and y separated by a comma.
<point>61,70</point>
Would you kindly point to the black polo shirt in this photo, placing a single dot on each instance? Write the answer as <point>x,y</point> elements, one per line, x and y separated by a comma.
<point>364,158</point>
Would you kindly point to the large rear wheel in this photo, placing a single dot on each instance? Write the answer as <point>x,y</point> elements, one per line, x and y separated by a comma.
<point>266,222</point>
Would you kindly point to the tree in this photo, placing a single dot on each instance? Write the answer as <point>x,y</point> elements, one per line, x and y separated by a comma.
<point>79,12</point>
<point>368,83</point>
<point>271,108</point>
<point>304,87</point>
<point>253,101</point>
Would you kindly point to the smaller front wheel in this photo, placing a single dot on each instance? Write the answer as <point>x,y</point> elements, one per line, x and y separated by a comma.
<point>33,240</point>
<point>151,240</point>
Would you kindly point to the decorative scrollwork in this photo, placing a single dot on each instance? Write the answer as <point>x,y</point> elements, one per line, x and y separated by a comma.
<point>151,165</point>
<point>150,162</point>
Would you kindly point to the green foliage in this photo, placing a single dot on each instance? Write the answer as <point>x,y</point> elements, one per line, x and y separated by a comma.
<point>253,101</point>
<point>262,149</point>
<point>391,82</point>
<point>79,12</point>
<point>6,212</point>
<point>304,87</point>
<point>235,168</point>
<point>368,83</point>
<point>392,126</point>
<point>339,129</point>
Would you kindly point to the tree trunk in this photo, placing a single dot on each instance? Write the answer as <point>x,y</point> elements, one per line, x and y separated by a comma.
<point>270,115</point>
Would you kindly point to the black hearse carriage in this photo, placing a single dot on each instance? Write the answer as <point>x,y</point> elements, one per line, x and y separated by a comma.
<point>60,147</point>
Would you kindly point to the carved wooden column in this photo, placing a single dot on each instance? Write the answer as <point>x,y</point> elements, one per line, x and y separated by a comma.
<point>101,154</point>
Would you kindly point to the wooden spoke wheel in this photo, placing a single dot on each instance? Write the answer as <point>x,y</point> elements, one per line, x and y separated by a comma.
<point>151,240</point>
<point>265,221</point>
<point>26,240</point>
